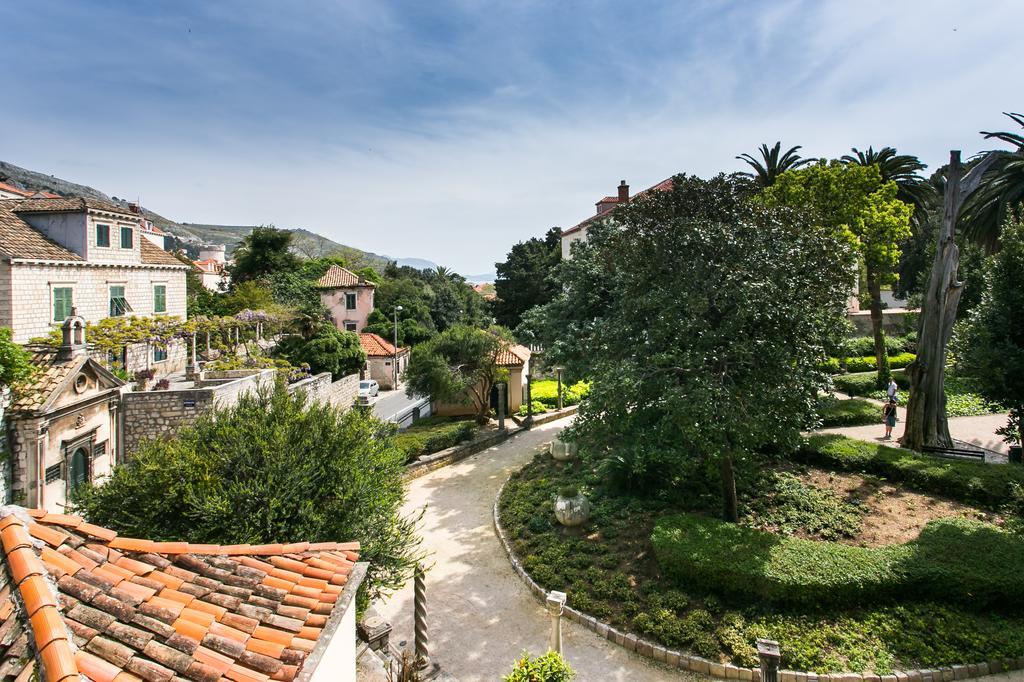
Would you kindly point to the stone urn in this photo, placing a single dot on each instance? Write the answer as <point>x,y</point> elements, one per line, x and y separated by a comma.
<point>572,511</point>
<point>562,451</point>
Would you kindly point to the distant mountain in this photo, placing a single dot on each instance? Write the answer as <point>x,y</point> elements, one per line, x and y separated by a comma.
<point>189,236</point>
<point>418,263</point>
<point>485,278</point>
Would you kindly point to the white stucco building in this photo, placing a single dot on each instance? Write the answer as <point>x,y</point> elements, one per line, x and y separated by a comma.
<point>59,254</point>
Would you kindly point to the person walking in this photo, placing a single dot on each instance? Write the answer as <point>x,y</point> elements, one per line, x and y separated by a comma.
<point>892,389</point>
<point>889,417</point>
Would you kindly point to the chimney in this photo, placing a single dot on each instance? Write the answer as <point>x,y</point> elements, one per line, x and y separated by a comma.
<point>623,192</point>
<point>134,208</point>
<point>72,337</point>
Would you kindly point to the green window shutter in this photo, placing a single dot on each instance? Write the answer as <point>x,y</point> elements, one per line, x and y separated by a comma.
<point>160,298</point>
<point>118,304</point>
<point>126,237</point>
<point>61,303</point>
<point>102,235</point>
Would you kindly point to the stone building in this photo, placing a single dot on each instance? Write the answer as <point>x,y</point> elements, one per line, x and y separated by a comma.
<point>59,254</point>
<point>347,296</point>
<point>578,233</point>
<point>383,363</point>
<point>62,429</point>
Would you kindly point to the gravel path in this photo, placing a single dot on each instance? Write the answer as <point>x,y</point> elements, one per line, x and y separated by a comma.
<point>480,615</point>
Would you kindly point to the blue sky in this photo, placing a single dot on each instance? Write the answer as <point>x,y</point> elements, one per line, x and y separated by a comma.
<point>449,130</point>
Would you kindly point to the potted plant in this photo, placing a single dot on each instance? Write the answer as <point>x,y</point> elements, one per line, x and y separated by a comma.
<point>562,450</point>
<point>572,508</point>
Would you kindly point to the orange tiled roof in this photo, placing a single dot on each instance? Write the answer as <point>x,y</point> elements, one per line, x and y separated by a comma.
<point>154,255</point>
<point>376,347</point>
<point>19,240</point>
<point>15,190</point>
<point>661,186</point>
<point>68,205</point>
<point>124,609</point>
<point>512,355</point>
<point>337,277</point>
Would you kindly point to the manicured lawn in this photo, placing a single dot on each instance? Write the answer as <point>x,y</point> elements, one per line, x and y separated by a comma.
<point>610,568</point>
<point>853,412</point>
<point>433,434</point>
<point>962,397</point>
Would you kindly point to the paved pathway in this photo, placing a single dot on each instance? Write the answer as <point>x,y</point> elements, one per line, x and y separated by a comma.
<point>977,430</point>
<point>480,614</point>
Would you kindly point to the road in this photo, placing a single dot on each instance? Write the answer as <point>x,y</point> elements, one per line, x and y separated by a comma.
<point>390,403</point>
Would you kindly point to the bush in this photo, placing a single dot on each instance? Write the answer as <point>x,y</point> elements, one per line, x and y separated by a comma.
<point>866,363</point>
<point>862,346</point>
<point>854,412</point>
<point>329,350</point>
<point>550,667</point>
<point>864,384</point>
<point>952,560</point>
<point>268,469</point>
<point>972,482</point>
<point>538,408</point>
<point>433,434</point>
<point>546,392</point>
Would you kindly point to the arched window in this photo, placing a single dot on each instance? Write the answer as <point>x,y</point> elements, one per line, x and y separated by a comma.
<point>79,470</point>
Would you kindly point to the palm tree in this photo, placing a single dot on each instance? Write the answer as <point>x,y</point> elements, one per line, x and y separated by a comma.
<point>771,164</point>
<point>1000,193</point>
<point>903,170</point>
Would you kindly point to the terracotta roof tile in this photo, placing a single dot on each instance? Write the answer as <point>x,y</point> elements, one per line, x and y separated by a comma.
<point>338,277</point>
<point>142,610</point>
<point>375,346</point>
<point>512,355</point>
<point>152,254</point>
<point>19,240</point>
<point>661,186</point>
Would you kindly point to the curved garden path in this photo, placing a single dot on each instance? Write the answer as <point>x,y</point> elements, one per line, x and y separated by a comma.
<point>480,614</point>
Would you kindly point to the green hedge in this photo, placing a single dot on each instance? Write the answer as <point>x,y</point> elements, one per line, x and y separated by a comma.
<point>546,391</point>
<point>977,483</point>
<point>864,384</point>
<point>433,434</point>
<point>952,560</point>
<point>866,363</point>
<point>855,412</point>
<point>865,345</point>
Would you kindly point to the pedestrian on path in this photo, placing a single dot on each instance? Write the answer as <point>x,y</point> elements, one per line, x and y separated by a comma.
<point>893,389</point>
<point>889,417</point>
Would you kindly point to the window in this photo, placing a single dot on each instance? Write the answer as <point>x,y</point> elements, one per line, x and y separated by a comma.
<point>350,301</point>
<point>53,473</point>
<point>159,354</point>
<point>126,237</point>
<point>62,303</point>
<point>350,326</point>
<point>118,303</point>
<point>79,468</point>
<point>102,235</point>
<point>159,298</point>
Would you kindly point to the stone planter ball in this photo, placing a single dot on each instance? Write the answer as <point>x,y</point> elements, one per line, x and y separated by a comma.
<point>572,511</point>
<point>562,451</point>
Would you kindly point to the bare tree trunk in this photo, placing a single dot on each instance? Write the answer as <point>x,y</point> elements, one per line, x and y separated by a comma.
<point>731,507</point>
<point>881,357</point>
<point>926,421</point>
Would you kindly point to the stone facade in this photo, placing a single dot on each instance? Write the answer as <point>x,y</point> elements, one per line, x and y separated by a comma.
<point>341,393</point>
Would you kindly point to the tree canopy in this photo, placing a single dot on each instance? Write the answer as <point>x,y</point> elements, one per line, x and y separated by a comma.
<point>263,252</point>
<point>327,349</point>
<point>702,325</point>
<point>773,163</point>
<point>15,361</point>
<point>525,277</point>
<point>458,366</point>
<point>269,469</point>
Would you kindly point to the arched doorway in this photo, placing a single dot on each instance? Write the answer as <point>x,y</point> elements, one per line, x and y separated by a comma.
<point>78,471</point>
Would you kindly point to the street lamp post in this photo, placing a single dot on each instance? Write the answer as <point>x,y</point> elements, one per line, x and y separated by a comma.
<point>394,381</point>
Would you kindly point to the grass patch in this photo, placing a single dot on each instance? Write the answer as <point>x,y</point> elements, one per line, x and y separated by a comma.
<point>433,434</point>
<point>608,569</point>
<point>853,412</point>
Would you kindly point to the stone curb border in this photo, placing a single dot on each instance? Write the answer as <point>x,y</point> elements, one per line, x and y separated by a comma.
<point>682,661</point>
<point>442,458</point>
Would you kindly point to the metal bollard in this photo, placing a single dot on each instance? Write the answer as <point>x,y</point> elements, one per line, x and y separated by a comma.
<point>768,652</point>
<point>555,603</point>
<point>501,406</point>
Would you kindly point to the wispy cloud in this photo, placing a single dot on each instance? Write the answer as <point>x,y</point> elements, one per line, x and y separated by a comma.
<point>450,130</point>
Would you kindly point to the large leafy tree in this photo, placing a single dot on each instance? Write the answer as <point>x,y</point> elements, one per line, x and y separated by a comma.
<point>327,349</point>
<point>702,325</point>
<point>457,365</point>
<point>525,277</point>
<point>904,170</point>
<point>269,469</point>
<point>263,252</point>
<point>852,199</point>
<point>1001,192</point>
<point>995,338</point>
<point>773,163</point>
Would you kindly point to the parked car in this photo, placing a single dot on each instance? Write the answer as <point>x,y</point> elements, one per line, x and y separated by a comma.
<point>368,388</point>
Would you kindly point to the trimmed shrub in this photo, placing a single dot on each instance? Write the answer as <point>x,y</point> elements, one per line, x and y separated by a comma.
<point>860,346</point>
<point>866,363</point>
<point>864,384</point>
<point>952,560</point>
<point>546,392</point>
<point>550,667</point>
<point>972,482</point>
<point>538,408</point>
<point>433,434</point>
<point>854,412</point>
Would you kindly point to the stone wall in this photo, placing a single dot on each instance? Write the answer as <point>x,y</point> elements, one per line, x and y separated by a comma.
<point>894,322</point>
<point>341,393</point>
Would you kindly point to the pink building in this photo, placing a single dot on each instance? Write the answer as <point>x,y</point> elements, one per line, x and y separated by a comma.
<point>347,296</point>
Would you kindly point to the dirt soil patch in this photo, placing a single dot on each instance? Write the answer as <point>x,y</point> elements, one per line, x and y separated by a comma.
<point>892,514</point>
